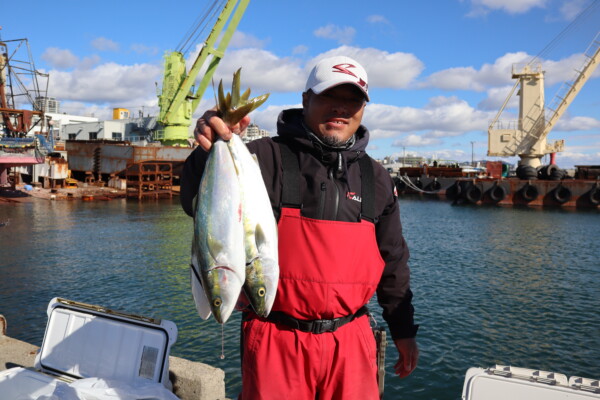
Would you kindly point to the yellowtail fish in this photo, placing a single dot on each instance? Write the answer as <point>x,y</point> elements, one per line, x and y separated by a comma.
<point>218,256</point>
<point>260,231</point>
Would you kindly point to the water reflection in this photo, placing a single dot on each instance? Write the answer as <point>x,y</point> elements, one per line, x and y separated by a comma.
<point>492,285</point>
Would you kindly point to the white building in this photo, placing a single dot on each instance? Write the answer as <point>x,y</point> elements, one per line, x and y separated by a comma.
<point>253,132</point>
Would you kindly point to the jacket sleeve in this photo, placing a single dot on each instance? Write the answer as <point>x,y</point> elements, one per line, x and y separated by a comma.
<point>393,293</point>
<point>190,179</point>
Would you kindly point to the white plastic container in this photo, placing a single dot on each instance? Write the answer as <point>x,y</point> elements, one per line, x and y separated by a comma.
<point>102,348</point>
<point>513,383</point>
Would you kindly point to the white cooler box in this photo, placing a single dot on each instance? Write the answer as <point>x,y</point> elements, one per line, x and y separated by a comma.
<point>512,383</point>
<point>90,352</point>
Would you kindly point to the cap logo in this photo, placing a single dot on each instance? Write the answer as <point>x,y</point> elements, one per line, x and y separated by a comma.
<point>343,68</point>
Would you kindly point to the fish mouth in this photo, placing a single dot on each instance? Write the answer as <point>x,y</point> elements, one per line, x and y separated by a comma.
<point>224,267</point>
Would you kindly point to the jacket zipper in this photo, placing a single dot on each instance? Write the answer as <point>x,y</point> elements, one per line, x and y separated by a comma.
<point>336,196</point>
<point>322,200</point>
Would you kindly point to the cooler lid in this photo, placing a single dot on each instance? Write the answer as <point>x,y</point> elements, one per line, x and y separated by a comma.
<point>84,341</point>
<point>505,382</point>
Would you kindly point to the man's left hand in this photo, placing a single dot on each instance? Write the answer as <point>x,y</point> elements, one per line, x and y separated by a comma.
<point>408,356</point>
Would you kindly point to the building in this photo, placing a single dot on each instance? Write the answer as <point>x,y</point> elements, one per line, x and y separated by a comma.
<point>253,132</point>
<point>132,130</point>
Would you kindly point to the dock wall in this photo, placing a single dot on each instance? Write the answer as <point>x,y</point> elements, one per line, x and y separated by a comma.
<point>191,380</point>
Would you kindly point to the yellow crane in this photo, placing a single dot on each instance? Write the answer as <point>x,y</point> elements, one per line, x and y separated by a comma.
<point>178,100</point>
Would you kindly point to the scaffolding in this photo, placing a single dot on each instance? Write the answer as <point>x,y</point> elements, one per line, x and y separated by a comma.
<point>150,179</point>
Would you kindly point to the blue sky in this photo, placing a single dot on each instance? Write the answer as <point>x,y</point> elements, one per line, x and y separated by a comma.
<point>439,70</point>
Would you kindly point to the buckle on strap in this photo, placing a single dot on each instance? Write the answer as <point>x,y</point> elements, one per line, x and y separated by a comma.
<point>316,326</point>
<point>325,325</point>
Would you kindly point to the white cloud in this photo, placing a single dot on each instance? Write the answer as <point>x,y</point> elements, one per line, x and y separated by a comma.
<point>104,44</point>
<point>385,70</point>
<point>300,49</point>
<point>483,7</point>
<point>377,19</point>
<point>570,158</point>
<point>60,58</point>
<point>416,141</point>
<point>143,49</point>
<point>109,82</point>
<point>566,123</point>
<point>570,9</point>
<point>469,78</point>
<point>241,40</point>
<point>443,116</point>
<point>343,35</point>
<point>496,97</point>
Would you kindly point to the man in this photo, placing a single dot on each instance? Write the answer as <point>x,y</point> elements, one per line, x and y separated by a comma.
<point>340,241</point>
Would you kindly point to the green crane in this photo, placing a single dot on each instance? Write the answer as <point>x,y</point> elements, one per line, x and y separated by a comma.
<point>177,100</point>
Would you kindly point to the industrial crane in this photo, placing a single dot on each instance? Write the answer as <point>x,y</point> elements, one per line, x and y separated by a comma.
<point>177,101</point>
<point>526,137</point>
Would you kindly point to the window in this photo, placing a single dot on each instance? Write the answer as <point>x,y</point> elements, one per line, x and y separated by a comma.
<point>72,136</point>
<point>117,136</point>
<point>93,135</point>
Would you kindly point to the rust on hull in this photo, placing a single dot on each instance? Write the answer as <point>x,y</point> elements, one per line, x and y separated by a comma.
<point>109,157</point>
<point>568,193</point>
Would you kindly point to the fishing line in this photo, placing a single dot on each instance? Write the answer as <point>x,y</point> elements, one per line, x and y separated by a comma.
<point>222,356</point>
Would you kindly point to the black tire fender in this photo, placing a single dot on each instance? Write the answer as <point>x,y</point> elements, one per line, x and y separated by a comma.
<point>497,193</point>
<point>529,192</point>
<point>435,186</point>
<point>594,195</point>
<point>474,194</point>
<point>454,191</point>
<point>561,194</point>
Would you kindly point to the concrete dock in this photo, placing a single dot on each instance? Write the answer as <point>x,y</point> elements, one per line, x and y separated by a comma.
<point>191,380</point>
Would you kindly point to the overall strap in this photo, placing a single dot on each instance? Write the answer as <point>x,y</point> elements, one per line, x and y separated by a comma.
<point>291,182</point>
<point>367,188</point>
<point>290,196</point>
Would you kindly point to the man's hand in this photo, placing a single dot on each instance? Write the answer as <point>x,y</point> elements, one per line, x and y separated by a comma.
<point>210,127</point>
<point>408,356</point>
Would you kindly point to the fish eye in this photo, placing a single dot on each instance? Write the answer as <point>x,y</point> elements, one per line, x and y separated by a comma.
<point>262,292</point>
<point>217,302</point>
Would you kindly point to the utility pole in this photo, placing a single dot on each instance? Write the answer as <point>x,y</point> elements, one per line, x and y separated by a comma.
<point>472,155</point>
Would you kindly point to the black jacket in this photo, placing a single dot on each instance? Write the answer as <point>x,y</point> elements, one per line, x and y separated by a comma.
<point>330,186</point>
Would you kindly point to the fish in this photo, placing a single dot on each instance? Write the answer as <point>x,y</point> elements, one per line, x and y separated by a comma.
<point>260,231</point>
<point>235,233</point>
<point>235,106</point>
<point>218,256</point>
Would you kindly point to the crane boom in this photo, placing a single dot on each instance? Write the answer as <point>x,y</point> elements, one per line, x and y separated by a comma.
<point>176,101</point>
<point>527,137</point>
<point>592,57</point>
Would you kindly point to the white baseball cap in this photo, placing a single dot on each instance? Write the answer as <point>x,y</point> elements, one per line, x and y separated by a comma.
<point>334,71</point>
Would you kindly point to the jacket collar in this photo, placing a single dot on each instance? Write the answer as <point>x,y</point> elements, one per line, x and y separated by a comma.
<point>290,126</point>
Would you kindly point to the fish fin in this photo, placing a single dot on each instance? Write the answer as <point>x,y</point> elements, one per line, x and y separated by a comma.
<point>221,104</point>
<point>259,236</point>
<point>258,101</point>
<point>198,293</point>
<point>235,89</point>
<point>245,96</point>
<point>236,115</point>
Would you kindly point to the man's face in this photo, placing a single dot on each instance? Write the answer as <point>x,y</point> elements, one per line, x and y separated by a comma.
<point>335,114</point>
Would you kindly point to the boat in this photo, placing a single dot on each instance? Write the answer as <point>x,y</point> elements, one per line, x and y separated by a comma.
<point>548,187</point>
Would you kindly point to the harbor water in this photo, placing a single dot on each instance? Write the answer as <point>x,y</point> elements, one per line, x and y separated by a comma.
<point>492,285</point>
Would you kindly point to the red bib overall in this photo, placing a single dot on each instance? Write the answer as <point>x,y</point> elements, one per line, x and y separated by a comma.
<point>328,269</point>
